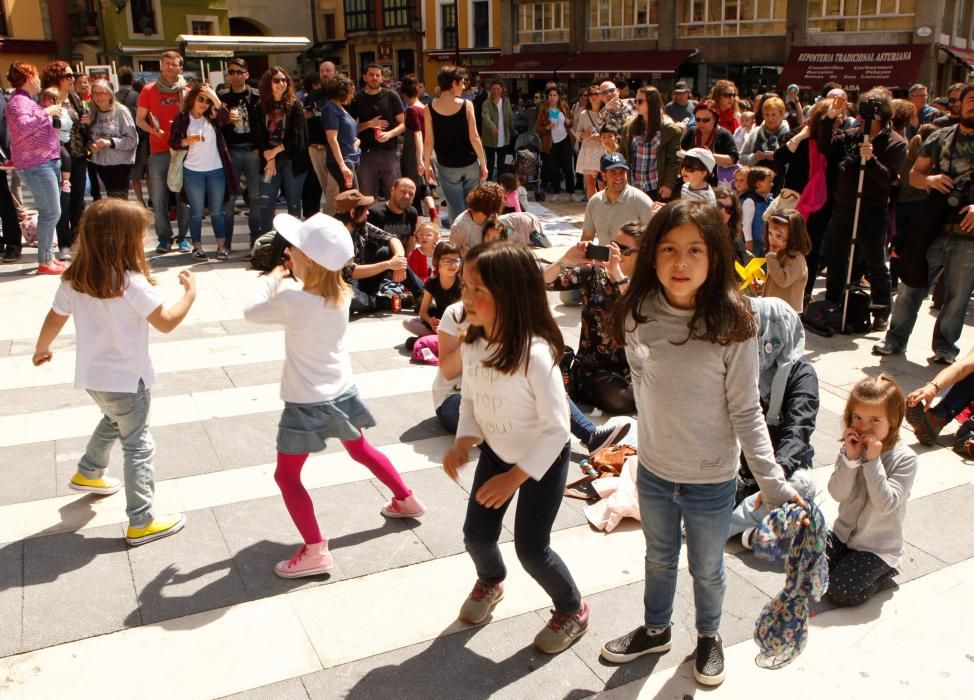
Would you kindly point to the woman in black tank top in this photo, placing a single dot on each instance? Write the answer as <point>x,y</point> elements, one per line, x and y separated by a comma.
<point>451,131</point>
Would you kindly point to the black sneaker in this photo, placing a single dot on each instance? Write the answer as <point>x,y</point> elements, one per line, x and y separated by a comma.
<point>708,668</point>
<point>635,644</point>
<point>607,436</point>
<point>11,255</point>
<point>880,323</point>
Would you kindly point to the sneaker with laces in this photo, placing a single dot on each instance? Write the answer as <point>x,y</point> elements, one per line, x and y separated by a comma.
<point>637,643</point>
<point>184,246</point>
<point>164,247</point>
<point>708,667</point>
<point>885,349</point>
<point>199,254</point>
<point>940,357</point>
<point>926,424</point>
<point>880,323</point>
<point>64,254</point>
<point>562,630</point>
<point>104,486</point>
<point>408,507</point>
<point>309,560</point>
<point>156,529</point>
<point>222,253</point>
<point>607,436</point>
<point>481,602</point>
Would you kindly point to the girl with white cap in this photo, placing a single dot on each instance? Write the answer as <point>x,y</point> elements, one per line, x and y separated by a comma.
<point>320,397</point>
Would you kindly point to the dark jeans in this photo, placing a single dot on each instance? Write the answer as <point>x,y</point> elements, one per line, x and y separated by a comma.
<point>311,196</point>
<point>556,163</point>
<point>907,214</point>
<point>956,399</point>
<point>364,290</point>
<point>495,160</point>
<point>870,249</point>
<point>73,204</point>
<point>449,413</point>
<point>854,576</point>
<point>116,179</point>
<point>8,216</point>
<point>537,505</point>
<point>92,176</point>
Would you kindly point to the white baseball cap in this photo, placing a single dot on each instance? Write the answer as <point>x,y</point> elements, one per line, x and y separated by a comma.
<point>322,238</point>
<point>702,154</point>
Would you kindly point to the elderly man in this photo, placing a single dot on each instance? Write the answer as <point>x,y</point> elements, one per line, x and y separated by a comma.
<point>681,108</point>
<point>615,111</point>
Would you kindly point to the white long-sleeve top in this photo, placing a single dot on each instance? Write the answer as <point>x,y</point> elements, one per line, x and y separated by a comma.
<point>317,367</point>
<point>872,498</point>
<point>522,416</point>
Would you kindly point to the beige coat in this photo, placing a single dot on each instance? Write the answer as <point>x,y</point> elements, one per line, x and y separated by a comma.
<point>786,279</point>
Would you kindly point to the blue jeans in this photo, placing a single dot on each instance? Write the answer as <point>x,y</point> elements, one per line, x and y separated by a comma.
<point>954,256</point>
<point>537,506</point>
<point>245,162</point>
<point>126,418</point>
<point>745,515</point>
<point>204,188</point>
<point>44,181</point>
<point>457,183</point>
<point>956,399</point>
<point>159,192</point>
<point>293,185</point>
<point>581,426</point>
<point>449,413</point>
<point>706,511</point>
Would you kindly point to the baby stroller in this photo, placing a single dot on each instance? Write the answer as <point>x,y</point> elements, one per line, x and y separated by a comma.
<point>527,162</point>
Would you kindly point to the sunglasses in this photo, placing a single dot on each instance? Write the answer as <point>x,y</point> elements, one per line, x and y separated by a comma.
<point>236,72</point>
<point>641,101</point>
<point>69,75</point>
<point>607,92</point>
<point>278,81</point>
<point>729,94</point>
<point>626,251</point>
<point>729,208</point>
<point>704,121</point>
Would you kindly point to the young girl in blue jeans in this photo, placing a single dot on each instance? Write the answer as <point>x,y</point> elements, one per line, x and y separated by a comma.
<point>513,404</point>
<point>111,294</point>
<point>320,398</point>
<point>689,338</point>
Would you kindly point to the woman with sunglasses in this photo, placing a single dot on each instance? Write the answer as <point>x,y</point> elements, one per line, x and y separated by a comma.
<point>74,137</point>
<point>114,140</point>
<point>649,141</point>
<point>281,133</point>
<point>707,133</point>
<point>587,126</point>
<point>600,374</point>
<point>208,175</point>
<point>724,95</point>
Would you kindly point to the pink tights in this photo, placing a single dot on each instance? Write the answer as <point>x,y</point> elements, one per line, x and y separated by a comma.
<point>298,501</point>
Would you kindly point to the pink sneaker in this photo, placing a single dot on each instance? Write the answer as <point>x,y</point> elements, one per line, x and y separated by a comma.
<point>408,507</point>
<point>309,560</point>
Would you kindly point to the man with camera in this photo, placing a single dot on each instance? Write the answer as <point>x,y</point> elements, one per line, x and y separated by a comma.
<point>944,240</point>
<point>878,152</point>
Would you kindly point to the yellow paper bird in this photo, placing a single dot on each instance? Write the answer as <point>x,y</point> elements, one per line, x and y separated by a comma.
<point>753,272</point>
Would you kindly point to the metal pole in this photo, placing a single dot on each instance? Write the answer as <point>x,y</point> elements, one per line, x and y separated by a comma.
<point>855,229</point>
<point>456,21</point>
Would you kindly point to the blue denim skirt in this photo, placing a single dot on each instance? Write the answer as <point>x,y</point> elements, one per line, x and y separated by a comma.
<point>305,427</point>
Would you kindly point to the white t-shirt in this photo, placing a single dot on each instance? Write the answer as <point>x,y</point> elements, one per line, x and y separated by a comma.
<point>450,324</point>
<point>112,335</point>
<point>203,156</point>
<point>317,366</point>
<point>558,131</point>
<point>522,416</point>
<point>501,134</point>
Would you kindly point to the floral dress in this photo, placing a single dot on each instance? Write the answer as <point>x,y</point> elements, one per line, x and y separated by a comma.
<point>597,352</point>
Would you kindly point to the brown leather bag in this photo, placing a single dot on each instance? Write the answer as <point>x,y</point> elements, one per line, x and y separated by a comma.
<point>609,460</point>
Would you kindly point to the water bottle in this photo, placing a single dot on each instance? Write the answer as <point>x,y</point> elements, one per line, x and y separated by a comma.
<point>587,468</point>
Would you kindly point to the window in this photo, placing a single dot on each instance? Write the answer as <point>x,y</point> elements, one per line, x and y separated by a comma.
<point>481,25</point>
<point>201,28</point>
<point>359,15</point>
<point>397,14</point>
<point>732,17</point>
<point>328,22</point>
<point>612,20</point>
<point>405,62</point>
<point>144,17</point>
<point>3,20</point>
<point>82,14</point>
<point>448,26</point>
<point>861,15</point>
<point>543,22</point>
<point>364,59</point>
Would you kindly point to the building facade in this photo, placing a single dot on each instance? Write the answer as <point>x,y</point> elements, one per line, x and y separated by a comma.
<point>26,33</point>
<point>467,33</point>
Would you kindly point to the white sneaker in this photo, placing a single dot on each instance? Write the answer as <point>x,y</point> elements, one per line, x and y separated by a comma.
<point>554,197</point>
<point>578,197</point>
<point>64,254</point>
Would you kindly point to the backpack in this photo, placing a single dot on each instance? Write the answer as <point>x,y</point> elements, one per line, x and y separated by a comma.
<point>824,317</point>
<point>268,251</point>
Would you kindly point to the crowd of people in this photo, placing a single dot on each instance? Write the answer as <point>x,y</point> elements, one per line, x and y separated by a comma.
<point>677,193</point>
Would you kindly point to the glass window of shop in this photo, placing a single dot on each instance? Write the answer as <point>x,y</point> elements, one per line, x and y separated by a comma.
<point>860,15</point>
<point>543,22</point>
<point>732,17</point>
<point>615,20</point>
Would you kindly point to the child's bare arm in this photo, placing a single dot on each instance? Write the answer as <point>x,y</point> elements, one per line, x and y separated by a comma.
<point>53,324</point>
<point>165,320</point>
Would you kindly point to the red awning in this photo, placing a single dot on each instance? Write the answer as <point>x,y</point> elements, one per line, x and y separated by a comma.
<point>854,68</point>
<point>526,65</point>
<point>965,56</point>
<point>624,64</point>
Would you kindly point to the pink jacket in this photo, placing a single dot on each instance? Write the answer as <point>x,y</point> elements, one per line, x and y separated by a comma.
<point>33,138</point>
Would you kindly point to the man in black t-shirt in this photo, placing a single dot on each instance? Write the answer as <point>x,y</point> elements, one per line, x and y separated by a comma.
<point>381,119</point>
<point>243,103</point>
<point>397,215</point>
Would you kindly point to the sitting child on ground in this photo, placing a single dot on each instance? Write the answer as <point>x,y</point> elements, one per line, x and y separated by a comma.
<point>872,480</point>
<point>441,290</point>
<point>420,259</point>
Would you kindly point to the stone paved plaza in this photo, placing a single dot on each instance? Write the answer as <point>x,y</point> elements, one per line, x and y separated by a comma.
<point>202,615</point>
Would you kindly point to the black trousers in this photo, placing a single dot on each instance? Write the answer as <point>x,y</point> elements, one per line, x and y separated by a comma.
<point>8,216</point>
<point>870,253</point>
<point>854,576</point>
<point>558,162</point>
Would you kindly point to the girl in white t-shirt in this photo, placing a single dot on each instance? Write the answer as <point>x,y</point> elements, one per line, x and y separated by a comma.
<point>110,293</point>
<point>513,404</point>
<point>320,397</point>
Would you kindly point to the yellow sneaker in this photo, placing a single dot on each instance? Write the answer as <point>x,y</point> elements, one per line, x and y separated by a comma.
<point>104,486</point>
<point>156,529</point>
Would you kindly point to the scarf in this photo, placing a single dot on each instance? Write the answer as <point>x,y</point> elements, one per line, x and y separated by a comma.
<point>815,194</point>
<point>698,138</point>
<point>169,88</point>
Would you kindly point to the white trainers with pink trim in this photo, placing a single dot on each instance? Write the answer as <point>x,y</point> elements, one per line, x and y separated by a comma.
<point>408,507</point>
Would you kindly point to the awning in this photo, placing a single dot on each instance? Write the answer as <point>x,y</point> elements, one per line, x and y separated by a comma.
<point>624,64</point>
<point>854,68</point>
<point>526,65</point>
<point>965,56</point>
<point>475,59</point>
<point>221,46</point>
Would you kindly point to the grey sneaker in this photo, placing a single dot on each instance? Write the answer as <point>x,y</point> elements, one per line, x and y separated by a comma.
<point>481,602</point>
<point>222,253</point>
<point>563,630</point>
<point>885,349</point>
<point>199,254</point>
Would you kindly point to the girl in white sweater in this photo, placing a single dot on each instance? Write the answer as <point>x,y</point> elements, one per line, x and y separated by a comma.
<point>873,476</point>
